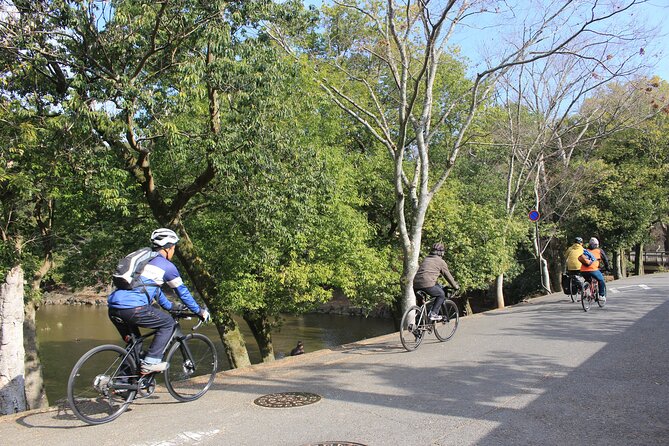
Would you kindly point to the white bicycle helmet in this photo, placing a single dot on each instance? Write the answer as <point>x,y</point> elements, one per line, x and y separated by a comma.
<point>593,242</point>
<point>164,238</point>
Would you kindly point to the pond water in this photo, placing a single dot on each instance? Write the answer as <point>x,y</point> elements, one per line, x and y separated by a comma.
<point>66,332</point>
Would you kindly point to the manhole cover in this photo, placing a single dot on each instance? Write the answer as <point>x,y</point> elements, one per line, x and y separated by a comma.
<point>288,399</point>
<point>335,443</point>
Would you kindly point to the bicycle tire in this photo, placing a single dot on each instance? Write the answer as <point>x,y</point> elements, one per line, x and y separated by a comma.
<point>411,334</point>
<point>188,380</point>
<point>449,323</point>
<point>90,391</point>
<point>586,297</point>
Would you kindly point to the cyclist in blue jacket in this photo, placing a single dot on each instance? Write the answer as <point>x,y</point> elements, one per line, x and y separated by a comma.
<point>130,309</point>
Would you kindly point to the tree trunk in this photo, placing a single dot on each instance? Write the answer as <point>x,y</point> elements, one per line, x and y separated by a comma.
<point>617,264</point>
<point>545,275</point>
<point>638,260</point>
<point>12,367</point>
<point>262,332</point>
<point>499,291</point>
<point>231,336</point>
<point>555,266</point>
<point>467,307</point>
<point>406,281</point>
<point>36,397</point>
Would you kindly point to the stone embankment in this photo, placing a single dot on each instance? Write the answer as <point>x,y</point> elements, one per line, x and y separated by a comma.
<point>82,297</point>
<point>338,305</point>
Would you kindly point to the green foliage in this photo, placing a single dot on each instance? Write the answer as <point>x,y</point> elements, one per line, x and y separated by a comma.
<point>481,241</point>
<point>286,228</point>
<point>302,198</point>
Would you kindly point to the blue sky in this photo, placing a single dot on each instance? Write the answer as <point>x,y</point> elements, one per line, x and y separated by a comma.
<point>653,13</point>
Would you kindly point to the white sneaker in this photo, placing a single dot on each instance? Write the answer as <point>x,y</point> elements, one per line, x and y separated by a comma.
<point>154,368</point>
<point>435,317</point>
<point>602,298</point>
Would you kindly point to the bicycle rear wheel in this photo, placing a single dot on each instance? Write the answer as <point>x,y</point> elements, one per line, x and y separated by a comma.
<point>411,333</point>
<point>445,329</point>
<point>91,391</point>
<point>193,365</point>
<point>573,286</point>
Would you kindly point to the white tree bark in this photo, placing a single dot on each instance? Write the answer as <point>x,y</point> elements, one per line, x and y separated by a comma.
<point>12,368</point>
<point>499,291</point>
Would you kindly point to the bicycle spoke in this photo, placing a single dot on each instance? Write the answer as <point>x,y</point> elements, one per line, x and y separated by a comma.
<point>445,329</point>
<point>412,327</point>
<point>192,367</point>
<point>91,390</point>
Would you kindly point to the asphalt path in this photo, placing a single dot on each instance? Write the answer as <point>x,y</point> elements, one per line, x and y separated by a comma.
<point>538,373</point>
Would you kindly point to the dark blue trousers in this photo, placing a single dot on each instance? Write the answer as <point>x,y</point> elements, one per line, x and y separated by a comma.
<point>146,317</point>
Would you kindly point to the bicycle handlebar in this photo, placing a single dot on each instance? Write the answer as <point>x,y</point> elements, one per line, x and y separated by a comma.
<point>187,314</point>
<point>451,292</point>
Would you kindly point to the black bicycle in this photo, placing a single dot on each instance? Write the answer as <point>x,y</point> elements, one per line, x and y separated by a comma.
<point>107,378</point>
<point>416,324</point>
<point>576,285</point>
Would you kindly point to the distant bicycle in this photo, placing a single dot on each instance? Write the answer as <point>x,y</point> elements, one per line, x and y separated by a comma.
<point>415,324</point>
<point>107,378</point>
<point>590,294</point>
<point>576,285</point>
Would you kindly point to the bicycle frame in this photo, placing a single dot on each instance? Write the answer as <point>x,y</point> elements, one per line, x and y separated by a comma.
<point>133,348</point>
<point>591,293</point>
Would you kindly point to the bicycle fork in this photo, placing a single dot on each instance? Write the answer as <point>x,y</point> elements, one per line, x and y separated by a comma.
<point>188,365</point>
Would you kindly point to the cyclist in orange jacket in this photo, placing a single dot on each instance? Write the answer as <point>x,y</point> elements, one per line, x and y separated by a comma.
<point>592,270</point>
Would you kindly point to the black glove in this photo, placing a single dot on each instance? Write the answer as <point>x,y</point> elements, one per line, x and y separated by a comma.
<point>177,308</point>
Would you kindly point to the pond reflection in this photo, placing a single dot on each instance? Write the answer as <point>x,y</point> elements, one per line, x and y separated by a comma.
<point>65,332</point>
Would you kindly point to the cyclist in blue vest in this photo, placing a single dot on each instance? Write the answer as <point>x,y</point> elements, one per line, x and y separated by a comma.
<point>130,309</point>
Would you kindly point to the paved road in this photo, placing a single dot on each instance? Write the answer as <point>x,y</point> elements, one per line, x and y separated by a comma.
<point>542,372</point>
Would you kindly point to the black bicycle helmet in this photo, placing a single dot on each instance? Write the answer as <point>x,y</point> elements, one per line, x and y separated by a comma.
<point>578,240</point>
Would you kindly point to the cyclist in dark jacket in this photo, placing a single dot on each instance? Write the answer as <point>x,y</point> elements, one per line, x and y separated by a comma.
<point>426,278</point>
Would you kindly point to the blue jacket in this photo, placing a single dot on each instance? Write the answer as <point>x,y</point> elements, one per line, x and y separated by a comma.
<point>157,272</point>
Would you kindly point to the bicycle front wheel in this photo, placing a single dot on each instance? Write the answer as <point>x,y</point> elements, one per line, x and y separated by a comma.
<point>92,391</point>
<point>192,367</point>
<point>445,329</point>
<point>411,333</point>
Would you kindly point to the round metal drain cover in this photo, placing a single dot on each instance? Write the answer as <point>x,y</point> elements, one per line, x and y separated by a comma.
<point>335,443</point>
<point>288,399</point>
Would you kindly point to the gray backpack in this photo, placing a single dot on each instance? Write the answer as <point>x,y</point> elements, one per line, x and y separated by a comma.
<point>130,267</point>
